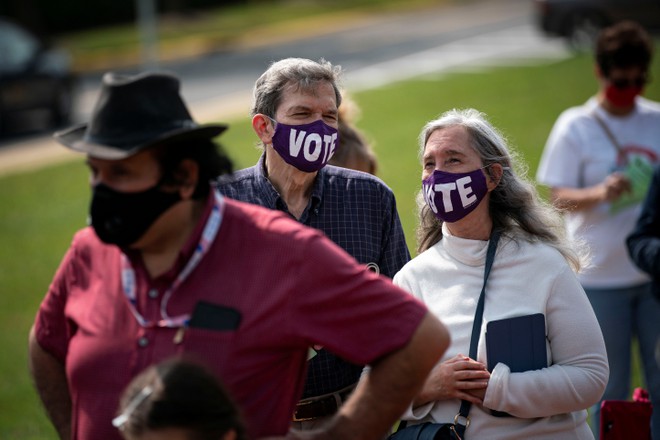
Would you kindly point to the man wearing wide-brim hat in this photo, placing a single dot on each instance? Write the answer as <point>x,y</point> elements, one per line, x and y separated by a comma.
<point>169,267</point>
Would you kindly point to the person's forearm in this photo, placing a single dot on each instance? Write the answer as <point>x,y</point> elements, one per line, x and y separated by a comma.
<point>577,199</point>
<point>423,397</point>
<point>49,378</point>
<point>384,394</point>
<point>610,189</point>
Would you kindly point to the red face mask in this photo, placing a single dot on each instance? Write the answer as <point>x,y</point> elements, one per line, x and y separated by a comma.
<point>622,97</point>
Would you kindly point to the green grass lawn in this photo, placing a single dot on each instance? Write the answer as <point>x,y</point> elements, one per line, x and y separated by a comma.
<point>41,210</point>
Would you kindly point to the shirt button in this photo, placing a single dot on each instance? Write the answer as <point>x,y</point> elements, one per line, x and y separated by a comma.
<point>143,341</point>
<point>153,293</point>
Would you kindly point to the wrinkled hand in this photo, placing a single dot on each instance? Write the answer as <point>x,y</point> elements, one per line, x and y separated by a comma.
<point>614,186</point>
<point>457,378</point>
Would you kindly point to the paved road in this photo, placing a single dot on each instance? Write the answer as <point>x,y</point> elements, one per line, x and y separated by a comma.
<point>373,51</point>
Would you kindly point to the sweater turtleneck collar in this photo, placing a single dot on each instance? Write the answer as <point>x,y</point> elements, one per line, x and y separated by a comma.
<point>467,251</point>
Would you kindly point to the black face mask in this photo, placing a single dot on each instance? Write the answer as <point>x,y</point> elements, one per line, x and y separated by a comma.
<point>121,218</point>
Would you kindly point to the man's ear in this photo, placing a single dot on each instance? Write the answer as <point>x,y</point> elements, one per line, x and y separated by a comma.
<point>187,174</point>
<point>263,127</point>
<point>494,173</point>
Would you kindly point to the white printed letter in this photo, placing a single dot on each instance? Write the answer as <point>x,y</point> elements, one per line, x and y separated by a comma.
<point>330,144</point>
<point>428,195</point>
<point>446,189</point>
<point>312,155</point>
<point>295,142</point>
<point>467,196</point>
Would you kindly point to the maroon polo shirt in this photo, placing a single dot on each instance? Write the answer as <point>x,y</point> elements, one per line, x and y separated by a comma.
<point>291,287</point>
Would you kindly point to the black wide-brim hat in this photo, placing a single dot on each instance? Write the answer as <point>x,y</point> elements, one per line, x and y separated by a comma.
<point>133,113</point>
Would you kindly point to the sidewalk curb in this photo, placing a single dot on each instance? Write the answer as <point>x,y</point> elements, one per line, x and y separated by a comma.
<point>32,154</point>
<point>268,35</point>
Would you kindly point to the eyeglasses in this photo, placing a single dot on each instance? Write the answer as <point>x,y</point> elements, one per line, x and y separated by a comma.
<point>121,419</point>
<point>624,83</point>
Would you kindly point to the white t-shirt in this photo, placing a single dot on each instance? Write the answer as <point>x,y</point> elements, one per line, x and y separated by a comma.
<point>579,154</point>
<point>526,278</point>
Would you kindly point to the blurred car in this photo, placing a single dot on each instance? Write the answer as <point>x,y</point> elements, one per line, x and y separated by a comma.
<point>579,21</point>
<point>32,77</point>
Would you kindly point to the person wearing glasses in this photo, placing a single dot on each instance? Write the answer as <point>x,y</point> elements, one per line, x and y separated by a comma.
<point>598,162</point>
<point>169,267</point>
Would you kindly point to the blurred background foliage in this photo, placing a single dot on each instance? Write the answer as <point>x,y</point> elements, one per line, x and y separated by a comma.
<point>41,210</point>
<point>104,33</point>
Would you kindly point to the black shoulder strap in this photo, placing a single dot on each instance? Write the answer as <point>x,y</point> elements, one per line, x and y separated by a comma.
<point>461,420</point>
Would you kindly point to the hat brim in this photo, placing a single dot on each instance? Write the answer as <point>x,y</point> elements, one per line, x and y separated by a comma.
<point>74,138</point>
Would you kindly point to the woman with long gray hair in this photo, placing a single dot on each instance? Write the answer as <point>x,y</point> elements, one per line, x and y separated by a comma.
<point>488,242</point>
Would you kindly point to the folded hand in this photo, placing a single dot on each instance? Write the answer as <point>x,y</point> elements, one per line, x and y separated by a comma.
<point>457,378</point>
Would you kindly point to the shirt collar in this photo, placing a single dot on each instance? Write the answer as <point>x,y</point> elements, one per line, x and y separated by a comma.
<point>270,194</point>
<point>264,187</point>
<point>467,251</point>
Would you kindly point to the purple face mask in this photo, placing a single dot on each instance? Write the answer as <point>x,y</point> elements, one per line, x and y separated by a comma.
<point>452,196</point>
<point>307,147</point>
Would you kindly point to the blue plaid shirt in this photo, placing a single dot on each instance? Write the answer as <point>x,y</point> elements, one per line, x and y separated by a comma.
<point>355,210</point>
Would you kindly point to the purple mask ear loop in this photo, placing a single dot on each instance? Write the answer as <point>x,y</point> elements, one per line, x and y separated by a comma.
<point>503,169</point>
<point>273,124</point>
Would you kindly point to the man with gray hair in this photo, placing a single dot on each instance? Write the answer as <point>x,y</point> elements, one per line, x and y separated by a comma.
<point>295,115</point>
<point>171,268</point>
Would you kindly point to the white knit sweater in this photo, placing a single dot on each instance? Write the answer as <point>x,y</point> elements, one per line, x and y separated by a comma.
<point>526,278</point>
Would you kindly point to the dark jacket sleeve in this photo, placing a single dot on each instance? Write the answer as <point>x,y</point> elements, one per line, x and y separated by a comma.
<point>644,242</point>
